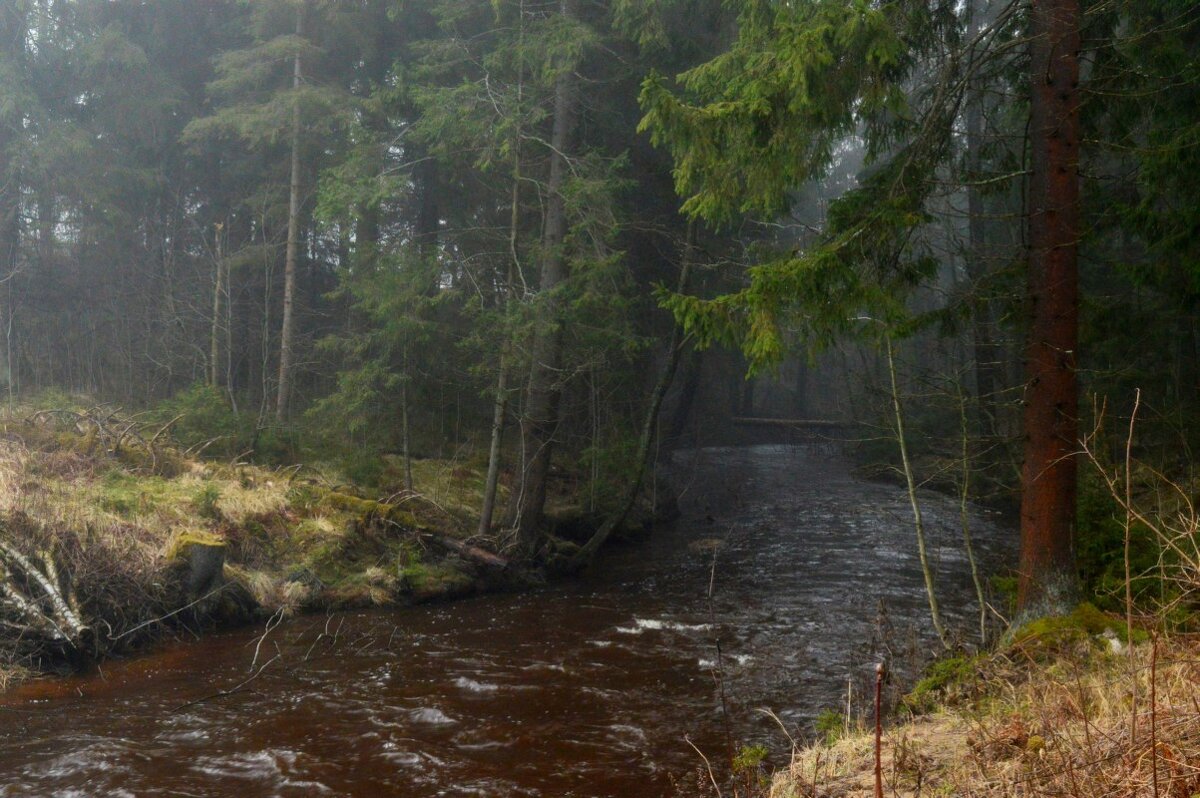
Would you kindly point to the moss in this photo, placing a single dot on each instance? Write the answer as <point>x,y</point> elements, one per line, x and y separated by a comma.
<point>941,678</point>
<point>1046,636</point>
<point>559,554</point>
<point>129,495</point>
<point>305,499</point>
<point>426,581</point>
<point>268,525</point>
<point>180,544</point>
<point>366,509</point>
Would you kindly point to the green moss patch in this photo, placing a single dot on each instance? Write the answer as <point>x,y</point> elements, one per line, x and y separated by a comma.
<point>1046,637</point>
<point>942,679</point>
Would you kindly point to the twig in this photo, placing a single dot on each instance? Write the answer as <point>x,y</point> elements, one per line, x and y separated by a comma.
<point>707,764</point>
<point>231,691</point>
<point>272,622</point>
<point>712,622</point>
<point>1154,711</point>
<point>879,730</point>
<point>170,614</point>
<point>1137,400</point>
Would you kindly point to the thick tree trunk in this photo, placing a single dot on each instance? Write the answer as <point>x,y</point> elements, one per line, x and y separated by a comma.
<point>1047,567</point>
<point>287,334</point>
<point>540,420</point>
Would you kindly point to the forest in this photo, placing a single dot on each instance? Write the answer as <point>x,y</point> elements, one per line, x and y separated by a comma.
<point>314,306</point>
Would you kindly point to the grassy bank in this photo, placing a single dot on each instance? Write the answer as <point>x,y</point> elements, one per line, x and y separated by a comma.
<point>139,539</point>
<point>1064,707</point>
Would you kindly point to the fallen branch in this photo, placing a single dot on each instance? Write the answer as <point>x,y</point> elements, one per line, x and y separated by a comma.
<point>61,617</point>
<point>481,556</point>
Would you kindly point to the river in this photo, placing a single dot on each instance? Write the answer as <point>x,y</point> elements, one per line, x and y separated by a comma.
<point>598,686</point>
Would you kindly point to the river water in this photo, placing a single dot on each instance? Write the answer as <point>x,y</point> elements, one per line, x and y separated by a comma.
<point>593,687</point>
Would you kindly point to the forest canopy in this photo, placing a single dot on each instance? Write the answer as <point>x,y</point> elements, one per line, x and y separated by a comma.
<point>561,233</point>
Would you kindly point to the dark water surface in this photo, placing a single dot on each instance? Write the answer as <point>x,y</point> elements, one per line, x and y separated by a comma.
<point>586,688</point>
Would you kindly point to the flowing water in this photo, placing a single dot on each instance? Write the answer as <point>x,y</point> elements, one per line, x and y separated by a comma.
<point>592,687</point>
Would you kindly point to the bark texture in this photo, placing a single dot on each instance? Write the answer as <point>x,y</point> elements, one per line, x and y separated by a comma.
<point>287,334</point>
<point>1047,568</point>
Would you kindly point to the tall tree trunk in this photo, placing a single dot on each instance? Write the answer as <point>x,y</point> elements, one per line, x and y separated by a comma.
<point>499,411</point>
<point>228,324</point>
<point>1047,566</point>
<point>500,401</point>
<point>405,440</point>
<point>650,421</point>
<point>985,355</point>
<point>287,334</point>
<point>12,42</point>
<point>540,420</point>
<point>214,344</point>
<point>693,370</point>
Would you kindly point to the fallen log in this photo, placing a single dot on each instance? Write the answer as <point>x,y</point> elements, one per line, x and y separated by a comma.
<point>474,553</point>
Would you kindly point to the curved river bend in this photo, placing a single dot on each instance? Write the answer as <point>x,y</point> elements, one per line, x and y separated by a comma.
<point>586,688</point>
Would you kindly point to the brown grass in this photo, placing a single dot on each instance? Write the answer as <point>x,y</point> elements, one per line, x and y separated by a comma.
<point>78,503</point>
<point>1062,728</point>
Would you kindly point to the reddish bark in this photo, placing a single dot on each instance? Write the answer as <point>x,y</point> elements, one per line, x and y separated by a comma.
<point>1047,568</point>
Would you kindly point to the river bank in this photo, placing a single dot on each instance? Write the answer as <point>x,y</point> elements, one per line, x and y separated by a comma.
<point>785,577</point>
<point>117,539</point>
<point>1064,707</point>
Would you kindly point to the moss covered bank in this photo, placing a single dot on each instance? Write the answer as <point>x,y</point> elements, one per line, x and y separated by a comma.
<point>141,540</point>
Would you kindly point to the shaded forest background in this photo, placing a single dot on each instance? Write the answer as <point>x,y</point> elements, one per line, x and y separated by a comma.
<point>347,229</point>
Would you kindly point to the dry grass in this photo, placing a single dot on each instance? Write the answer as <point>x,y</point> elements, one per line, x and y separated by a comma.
<point>1062,728</point>
<point>81,501</point>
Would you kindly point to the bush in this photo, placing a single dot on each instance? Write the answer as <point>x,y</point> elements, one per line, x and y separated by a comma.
<point>202,419</point>
<point>201,414</point>
<point>941,677</point>
<point>830,725</point>
<point>1101,548</point>
<point>205,502</point>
